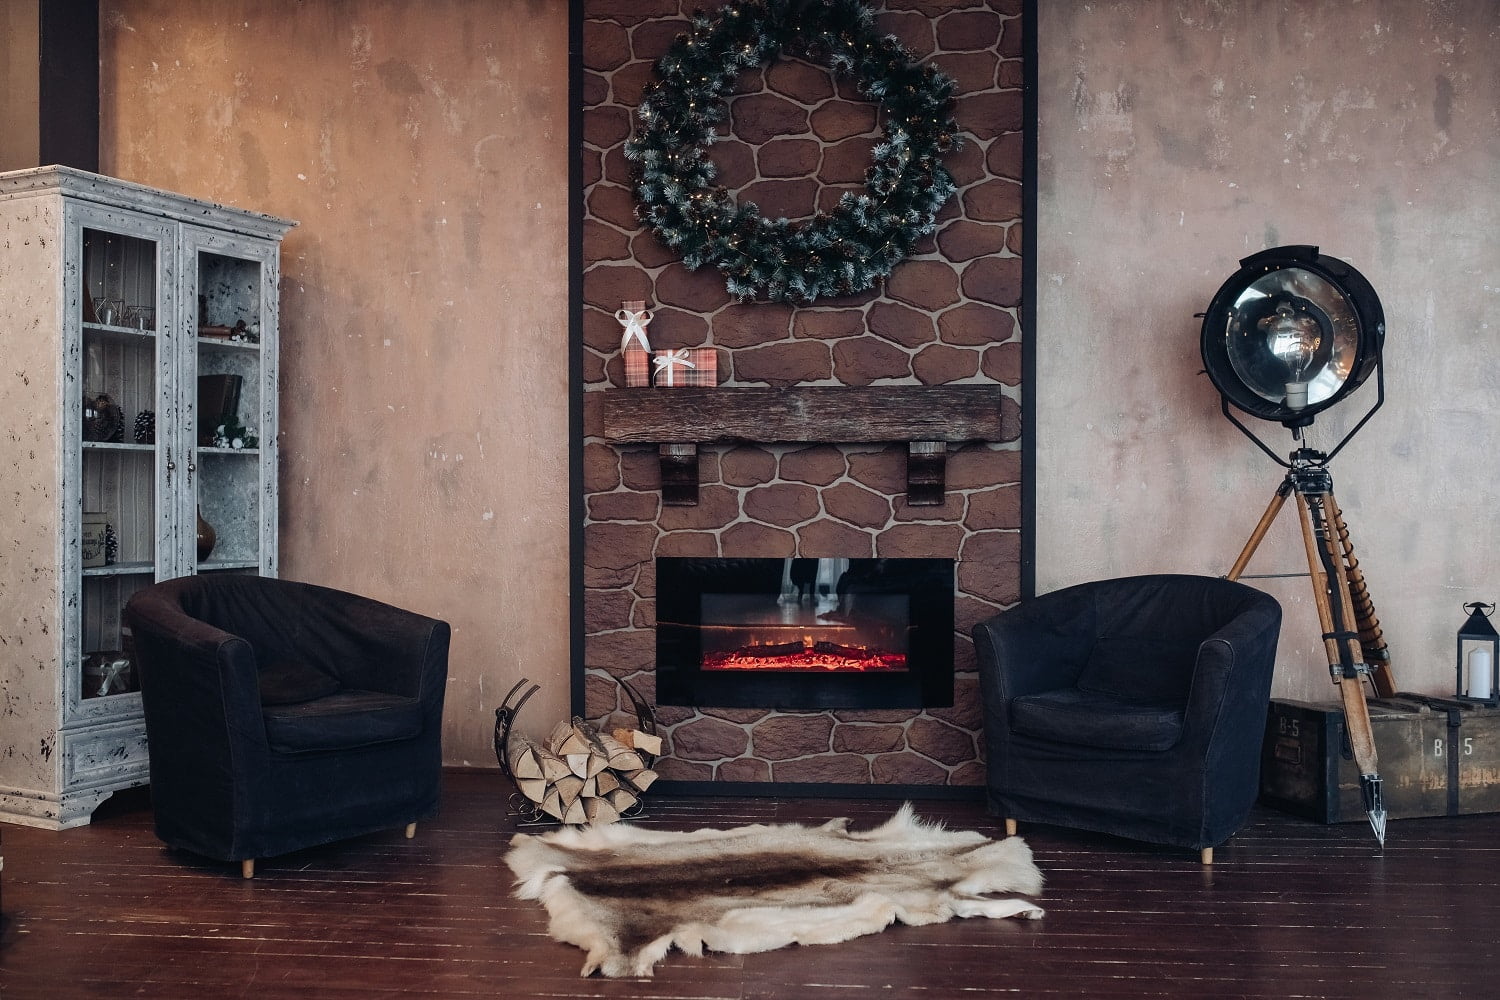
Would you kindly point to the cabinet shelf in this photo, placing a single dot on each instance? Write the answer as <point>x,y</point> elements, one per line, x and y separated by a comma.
<point>117,446</point>
<point>119,333</point>
<point>229,345</point>
<point>211,450</point>
<point>120,569</point>
<point>215,565</point>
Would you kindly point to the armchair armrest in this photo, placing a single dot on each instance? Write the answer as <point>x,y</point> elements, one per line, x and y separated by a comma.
<point>1232,674</point>
<point>203,690</point>
<point>1039,646</point>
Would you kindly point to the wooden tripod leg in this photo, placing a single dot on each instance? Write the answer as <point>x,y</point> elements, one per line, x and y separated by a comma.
<point>1351,689</point>
<point>1319,581</point>
<point>1357,724</point>
<point>1356,713</point>
<point>1371,637</point>
<point>1338,588</point>
<point>1258,534</point>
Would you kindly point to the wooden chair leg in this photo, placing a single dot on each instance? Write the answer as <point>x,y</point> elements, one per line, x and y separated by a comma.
<point>1207,855</point>
<point>1010,827</point>
<point>247,868</point>
<point>411,830</point>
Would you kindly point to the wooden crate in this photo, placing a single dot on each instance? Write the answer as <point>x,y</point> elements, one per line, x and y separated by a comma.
<point>1437,757</point>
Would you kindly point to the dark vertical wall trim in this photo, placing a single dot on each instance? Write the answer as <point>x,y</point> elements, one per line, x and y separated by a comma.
<point>575,353</point>
<point>1028,299</point>
<point>68,112</point>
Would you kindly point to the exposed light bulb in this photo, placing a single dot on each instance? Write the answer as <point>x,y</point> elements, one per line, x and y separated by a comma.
<point>1293,337</point>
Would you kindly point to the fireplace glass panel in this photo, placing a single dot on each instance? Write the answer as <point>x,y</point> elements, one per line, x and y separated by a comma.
<point>805,633</point>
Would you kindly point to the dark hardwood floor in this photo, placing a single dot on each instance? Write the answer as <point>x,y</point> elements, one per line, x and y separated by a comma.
<point>1289,909</point>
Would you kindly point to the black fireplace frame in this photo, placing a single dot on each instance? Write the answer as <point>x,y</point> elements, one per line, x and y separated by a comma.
<point>926,683</point>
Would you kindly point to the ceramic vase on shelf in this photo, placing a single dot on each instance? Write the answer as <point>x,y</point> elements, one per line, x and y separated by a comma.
<point>206,537</point>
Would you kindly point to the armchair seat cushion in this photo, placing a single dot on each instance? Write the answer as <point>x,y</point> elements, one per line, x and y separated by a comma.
<point>1073,715</point>
<point>342,721</point>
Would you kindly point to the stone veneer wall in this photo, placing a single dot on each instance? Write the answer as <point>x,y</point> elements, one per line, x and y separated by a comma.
<point>799,139</point>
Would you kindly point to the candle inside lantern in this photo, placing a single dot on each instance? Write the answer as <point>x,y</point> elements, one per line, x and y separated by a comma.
<point>1479,673</point>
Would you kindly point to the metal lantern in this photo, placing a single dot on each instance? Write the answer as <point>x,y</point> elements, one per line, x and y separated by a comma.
<point>1479,657</point>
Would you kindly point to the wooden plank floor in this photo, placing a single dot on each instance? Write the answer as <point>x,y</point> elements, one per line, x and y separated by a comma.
<point>1290,909</point>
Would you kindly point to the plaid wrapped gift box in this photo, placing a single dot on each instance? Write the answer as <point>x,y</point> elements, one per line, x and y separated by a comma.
<point>686,367</point>
<point>636,349</point>
<point>637,367</point>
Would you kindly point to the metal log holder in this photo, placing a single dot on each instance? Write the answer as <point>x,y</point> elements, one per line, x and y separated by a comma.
<point>528,813</point>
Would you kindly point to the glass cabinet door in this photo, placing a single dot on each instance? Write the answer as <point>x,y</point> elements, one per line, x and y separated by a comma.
<point>118,498</point>
<point>232,416</point>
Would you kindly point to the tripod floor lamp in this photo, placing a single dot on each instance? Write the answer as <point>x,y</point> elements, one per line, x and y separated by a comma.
<point>1290,334</point>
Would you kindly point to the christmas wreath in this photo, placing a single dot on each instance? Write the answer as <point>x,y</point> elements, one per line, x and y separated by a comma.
<point>840,252</point>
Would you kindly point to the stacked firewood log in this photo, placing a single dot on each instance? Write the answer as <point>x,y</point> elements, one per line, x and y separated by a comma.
<point>581,776</point>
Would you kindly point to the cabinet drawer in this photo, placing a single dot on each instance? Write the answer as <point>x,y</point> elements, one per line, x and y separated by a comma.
<point>105,755</point>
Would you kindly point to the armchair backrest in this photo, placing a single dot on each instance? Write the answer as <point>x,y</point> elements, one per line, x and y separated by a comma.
<point>361,642</point>
<point>1147,632</point>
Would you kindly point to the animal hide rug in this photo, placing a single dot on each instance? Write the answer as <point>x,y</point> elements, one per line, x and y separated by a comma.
<point>626,894</point>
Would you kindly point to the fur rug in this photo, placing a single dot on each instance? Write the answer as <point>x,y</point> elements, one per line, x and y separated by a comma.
<point>626,895</point>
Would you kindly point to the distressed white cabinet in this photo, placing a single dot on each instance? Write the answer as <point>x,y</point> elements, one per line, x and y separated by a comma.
<point>138,333</point>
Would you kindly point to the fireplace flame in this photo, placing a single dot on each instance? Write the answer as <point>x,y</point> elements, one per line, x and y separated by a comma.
<point>807,655</point>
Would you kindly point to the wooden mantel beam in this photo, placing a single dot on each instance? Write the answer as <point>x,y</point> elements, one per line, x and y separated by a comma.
<point>925,418</point>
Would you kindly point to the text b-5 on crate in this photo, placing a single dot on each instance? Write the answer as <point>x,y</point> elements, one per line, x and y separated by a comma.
<point>1437,757</point>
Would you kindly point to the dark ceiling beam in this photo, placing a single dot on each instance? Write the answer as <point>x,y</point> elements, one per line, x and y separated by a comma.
<point>49,104</point>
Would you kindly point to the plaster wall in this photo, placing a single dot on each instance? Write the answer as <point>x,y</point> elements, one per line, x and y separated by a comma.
<point>424,424</point>
<point>19,84</point>
<point>1177,136</point>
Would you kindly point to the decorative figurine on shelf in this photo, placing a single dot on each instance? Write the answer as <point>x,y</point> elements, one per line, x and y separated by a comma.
<point>107,672</point>
<point>206,537</point>
<point>233,434</point>
<point>93,540</point>
<point>634,317</point>
<point>102,419</point>
<point>244,334</point>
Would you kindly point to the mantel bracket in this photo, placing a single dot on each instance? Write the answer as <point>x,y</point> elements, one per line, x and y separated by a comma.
<point>679,474</point>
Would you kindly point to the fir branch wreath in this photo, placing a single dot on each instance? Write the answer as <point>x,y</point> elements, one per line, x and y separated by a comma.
<point>841,252</point>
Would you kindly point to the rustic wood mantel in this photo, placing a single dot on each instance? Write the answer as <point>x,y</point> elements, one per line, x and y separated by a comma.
<point>926,418</point>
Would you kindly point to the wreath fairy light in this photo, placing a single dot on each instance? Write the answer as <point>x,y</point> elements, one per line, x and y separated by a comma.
<point>840,252</point>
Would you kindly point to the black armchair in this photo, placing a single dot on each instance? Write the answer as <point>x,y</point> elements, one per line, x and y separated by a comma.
<point>281,715</point>
<point>1134,707</point>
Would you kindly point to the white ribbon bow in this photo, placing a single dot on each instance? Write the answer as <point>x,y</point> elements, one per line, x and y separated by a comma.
<point>666,363</point>
<point>112,679</point>
<point>635,323</point>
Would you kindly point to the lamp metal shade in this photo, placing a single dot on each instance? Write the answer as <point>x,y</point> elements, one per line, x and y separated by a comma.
<point>1292,332</point>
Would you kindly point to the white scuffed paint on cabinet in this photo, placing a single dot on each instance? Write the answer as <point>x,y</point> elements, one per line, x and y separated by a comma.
<point>66,747</point>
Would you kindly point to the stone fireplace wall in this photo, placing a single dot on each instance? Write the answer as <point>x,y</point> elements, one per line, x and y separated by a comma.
<point>947,315</point>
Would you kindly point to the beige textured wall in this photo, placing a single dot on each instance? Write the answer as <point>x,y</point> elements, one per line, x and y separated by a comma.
<point>1177,136</point>
<point>422,147</point>
<point>19,84</point>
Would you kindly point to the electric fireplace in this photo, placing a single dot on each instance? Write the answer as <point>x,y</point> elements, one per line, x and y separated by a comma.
<point>804,633</point>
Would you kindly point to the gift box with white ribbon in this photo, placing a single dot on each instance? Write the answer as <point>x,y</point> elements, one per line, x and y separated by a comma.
<point>634,317</point>
<point>685,367</point>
